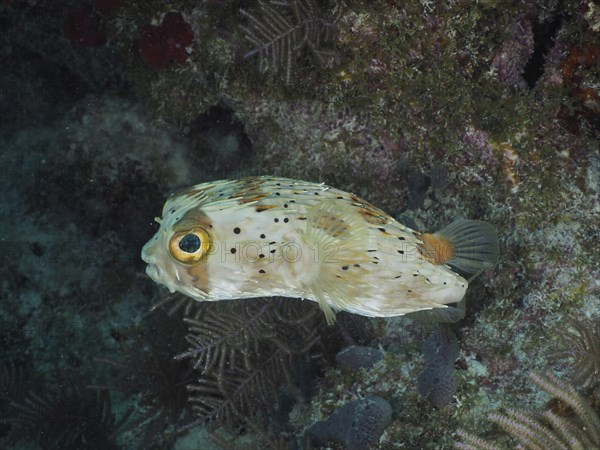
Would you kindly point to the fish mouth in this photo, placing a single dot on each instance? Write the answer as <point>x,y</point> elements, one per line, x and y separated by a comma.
<point>153,272</point>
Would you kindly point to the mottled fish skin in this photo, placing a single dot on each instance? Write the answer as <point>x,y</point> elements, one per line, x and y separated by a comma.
<point>274,236</point>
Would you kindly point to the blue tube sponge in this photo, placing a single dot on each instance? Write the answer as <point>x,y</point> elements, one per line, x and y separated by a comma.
<point>357,357</point>
<point>357,425</point>
<point>436,382</point>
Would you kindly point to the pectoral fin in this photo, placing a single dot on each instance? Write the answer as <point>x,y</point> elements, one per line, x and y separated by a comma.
<point>339,234</point>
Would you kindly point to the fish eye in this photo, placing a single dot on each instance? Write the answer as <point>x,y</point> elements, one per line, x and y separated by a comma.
<point>190,243</point>
<point>189,246</point>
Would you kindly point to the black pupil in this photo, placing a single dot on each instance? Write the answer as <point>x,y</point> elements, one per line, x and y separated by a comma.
<point>190,243</point>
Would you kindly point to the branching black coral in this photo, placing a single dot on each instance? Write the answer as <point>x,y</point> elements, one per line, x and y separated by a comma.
<point>580,345</point>
<point>72,419</point>
<point>15,383</point>
<point>546,430</point>
<point>281,31</point>
<point>240,393</point>
<point>147,370</point>
<point>244,352</point>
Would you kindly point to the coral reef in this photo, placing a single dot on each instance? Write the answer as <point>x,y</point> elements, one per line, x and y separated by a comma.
<point>433,111</point>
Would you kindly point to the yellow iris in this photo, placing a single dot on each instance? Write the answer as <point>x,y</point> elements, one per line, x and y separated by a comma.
<point>189,246</point>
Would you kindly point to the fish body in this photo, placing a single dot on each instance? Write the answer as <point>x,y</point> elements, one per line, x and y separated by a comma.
<point>270,236</point>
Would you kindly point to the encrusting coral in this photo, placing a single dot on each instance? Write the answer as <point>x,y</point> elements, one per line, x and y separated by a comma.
<point>161,45</point>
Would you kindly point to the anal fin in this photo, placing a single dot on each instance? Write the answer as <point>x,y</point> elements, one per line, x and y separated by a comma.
<point>445,314</point>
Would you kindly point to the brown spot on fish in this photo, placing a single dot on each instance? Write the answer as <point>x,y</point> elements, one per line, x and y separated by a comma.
<point>250,189</point>
<point>370,213</point>
<point>436,249</point>
<point>372,218</point>
<point>193,218</point>
<point>253,199</point>
<point>195,192</point>
<point>199,276</point>
<point>261,208</point>
<point>327,221</point>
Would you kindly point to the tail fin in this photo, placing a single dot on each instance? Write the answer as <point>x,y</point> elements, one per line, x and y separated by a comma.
<point>471,246</point>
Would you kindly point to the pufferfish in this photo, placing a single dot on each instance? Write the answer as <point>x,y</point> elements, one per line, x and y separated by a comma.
<point>270,236</point>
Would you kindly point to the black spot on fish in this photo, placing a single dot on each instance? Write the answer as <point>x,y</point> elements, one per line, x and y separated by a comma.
<point>401,252</point>
<point>261,271</point>
<point>381,229</point>
<point>262,236</point>
<point>236,230</point>
<point>286,220</point>
<point>344,267</point>
<point>276,220</point>
<point>233,250</point>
